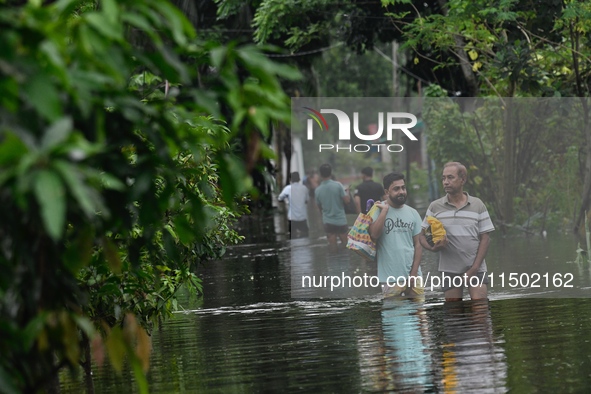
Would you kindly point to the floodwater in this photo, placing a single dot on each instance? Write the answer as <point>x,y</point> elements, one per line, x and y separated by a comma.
<point>248,334</point>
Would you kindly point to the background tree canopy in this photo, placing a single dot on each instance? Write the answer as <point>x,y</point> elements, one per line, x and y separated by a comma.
<point>134,132</point>
<point>470,49</point>
<point>117,175</point>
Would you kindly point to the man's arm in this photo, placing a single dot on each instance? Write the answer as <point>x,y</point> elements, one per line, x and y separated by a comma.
<point>346,197</point>
<point>284,193</point>
<point>423,240</point>
<point>358,204</point>
<point>318,203</point>
<point>416,260</point>
<point>480,254</point>
<point>377,226</point>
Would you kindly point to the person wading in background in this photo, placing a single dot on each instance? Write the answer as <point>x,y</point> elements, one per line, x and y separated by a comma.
<point>330,198</point>
<point>367,190</point>
<point>297,214</point>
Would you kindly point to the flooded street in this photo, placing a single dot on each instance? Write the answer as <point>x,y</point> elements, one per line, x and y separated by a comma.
<point>248,334</point>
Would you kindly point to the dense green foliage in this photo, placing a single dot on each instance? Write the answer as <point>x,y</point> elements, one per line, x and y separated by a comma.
<point>474,137</point>
<point>120,124</point>
<point>508,50</point>
<point>116,174</point>
<point>456,48</point>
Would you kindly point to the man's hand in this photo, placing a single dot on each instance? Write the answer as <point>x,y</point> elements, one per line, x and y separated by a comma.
<point>471,272</point>
<point>377,226</point>
<point>439,245</point>
<point>412,278</point>
<point>382,205</point>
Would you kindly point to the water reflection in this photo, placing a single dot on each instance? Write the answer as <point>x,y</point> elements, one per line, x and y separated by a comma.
<point>471,358</point>
<point>397,358</point>
<point>248,334</point>
<point>316,273</point>
<point>404,323</point>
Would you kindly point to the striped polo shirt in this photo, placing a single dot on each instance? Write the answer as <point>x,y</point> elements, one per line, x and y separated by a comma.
<point>463,227</point>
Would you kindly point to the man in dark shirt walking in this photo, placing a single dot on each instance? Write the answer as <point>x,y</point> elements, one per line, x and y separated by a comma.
<point>368,189</point>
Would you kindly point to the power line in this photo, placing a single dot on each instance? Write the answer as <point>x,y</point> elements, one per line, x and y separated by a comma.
<point>308,52</point>
<point>401,67</point>
<point>410,73</point>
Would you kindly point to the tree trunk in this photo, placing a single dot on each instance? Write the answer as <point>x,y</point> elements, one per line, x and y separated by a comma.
<point>287,150</point>
<point>87,366</point>
<point>509,164</point>
<point>465,66</point>
<point>278,132</point>
<point>586,196</point>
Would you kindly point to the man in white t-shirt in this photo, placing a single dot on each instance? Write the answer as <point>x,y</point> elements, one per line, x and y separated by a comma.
<point>395,230</point>
<point>297,214</point>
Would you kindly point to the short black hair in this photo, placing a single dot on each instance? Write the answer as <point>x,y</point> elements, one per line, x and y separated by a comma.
<point>295,176</point>
<point>325,170</point>
<point>391,177</point>
<point>367,171</point>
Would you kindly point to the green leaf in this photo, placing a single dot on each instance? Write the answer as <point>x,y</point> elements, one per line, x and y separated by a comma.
<point>102,25</point>
<point>112,289</point>
<point>85,325</point>
<point>111,253</point>
<point>218,55</point>
<point>140,376</point>
<point>12,149</point>
<point>63,5</point>
<point>181,28</point>
<point>74,180</point>
<point>233,177</point>
<point>111,182</point>
<point>51,198</point>
<point>138,21</point>
<point>6,175</point>
<point>256,61</point>
<point>53,54</point>
<point>184,230</point>
<point>171,231</point>
<point>43,95</point>
<point>170,64</point>
<point>110,10</point>
<point>116,348</point>
<point>33,328</point>
<point>58,132</point>
<point>79,252</point>
<point>208,101</point>
<point>170,246</point>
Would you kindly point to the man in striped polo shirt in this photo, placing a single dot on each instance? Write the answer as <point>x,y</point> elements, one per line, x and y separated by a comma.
<point>467,223</point>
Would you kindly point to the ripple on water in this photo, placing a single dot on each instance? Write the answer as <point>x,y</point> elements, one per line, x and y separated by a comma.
<point>249,335</point>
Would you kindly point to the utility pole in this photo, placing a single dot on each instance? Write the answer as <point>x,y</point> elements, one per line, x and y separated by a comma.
<point>404,157</point>
<point>394,69</point>
<point>387,156</point>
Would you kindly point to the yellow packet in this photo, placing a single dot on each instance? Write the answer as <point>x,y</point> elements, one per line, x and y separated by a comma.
<point>435,232</point>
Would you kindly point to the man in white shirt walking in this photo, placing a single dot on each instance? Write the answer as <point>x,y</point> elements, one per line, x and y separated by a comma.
<point>297,197</point>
